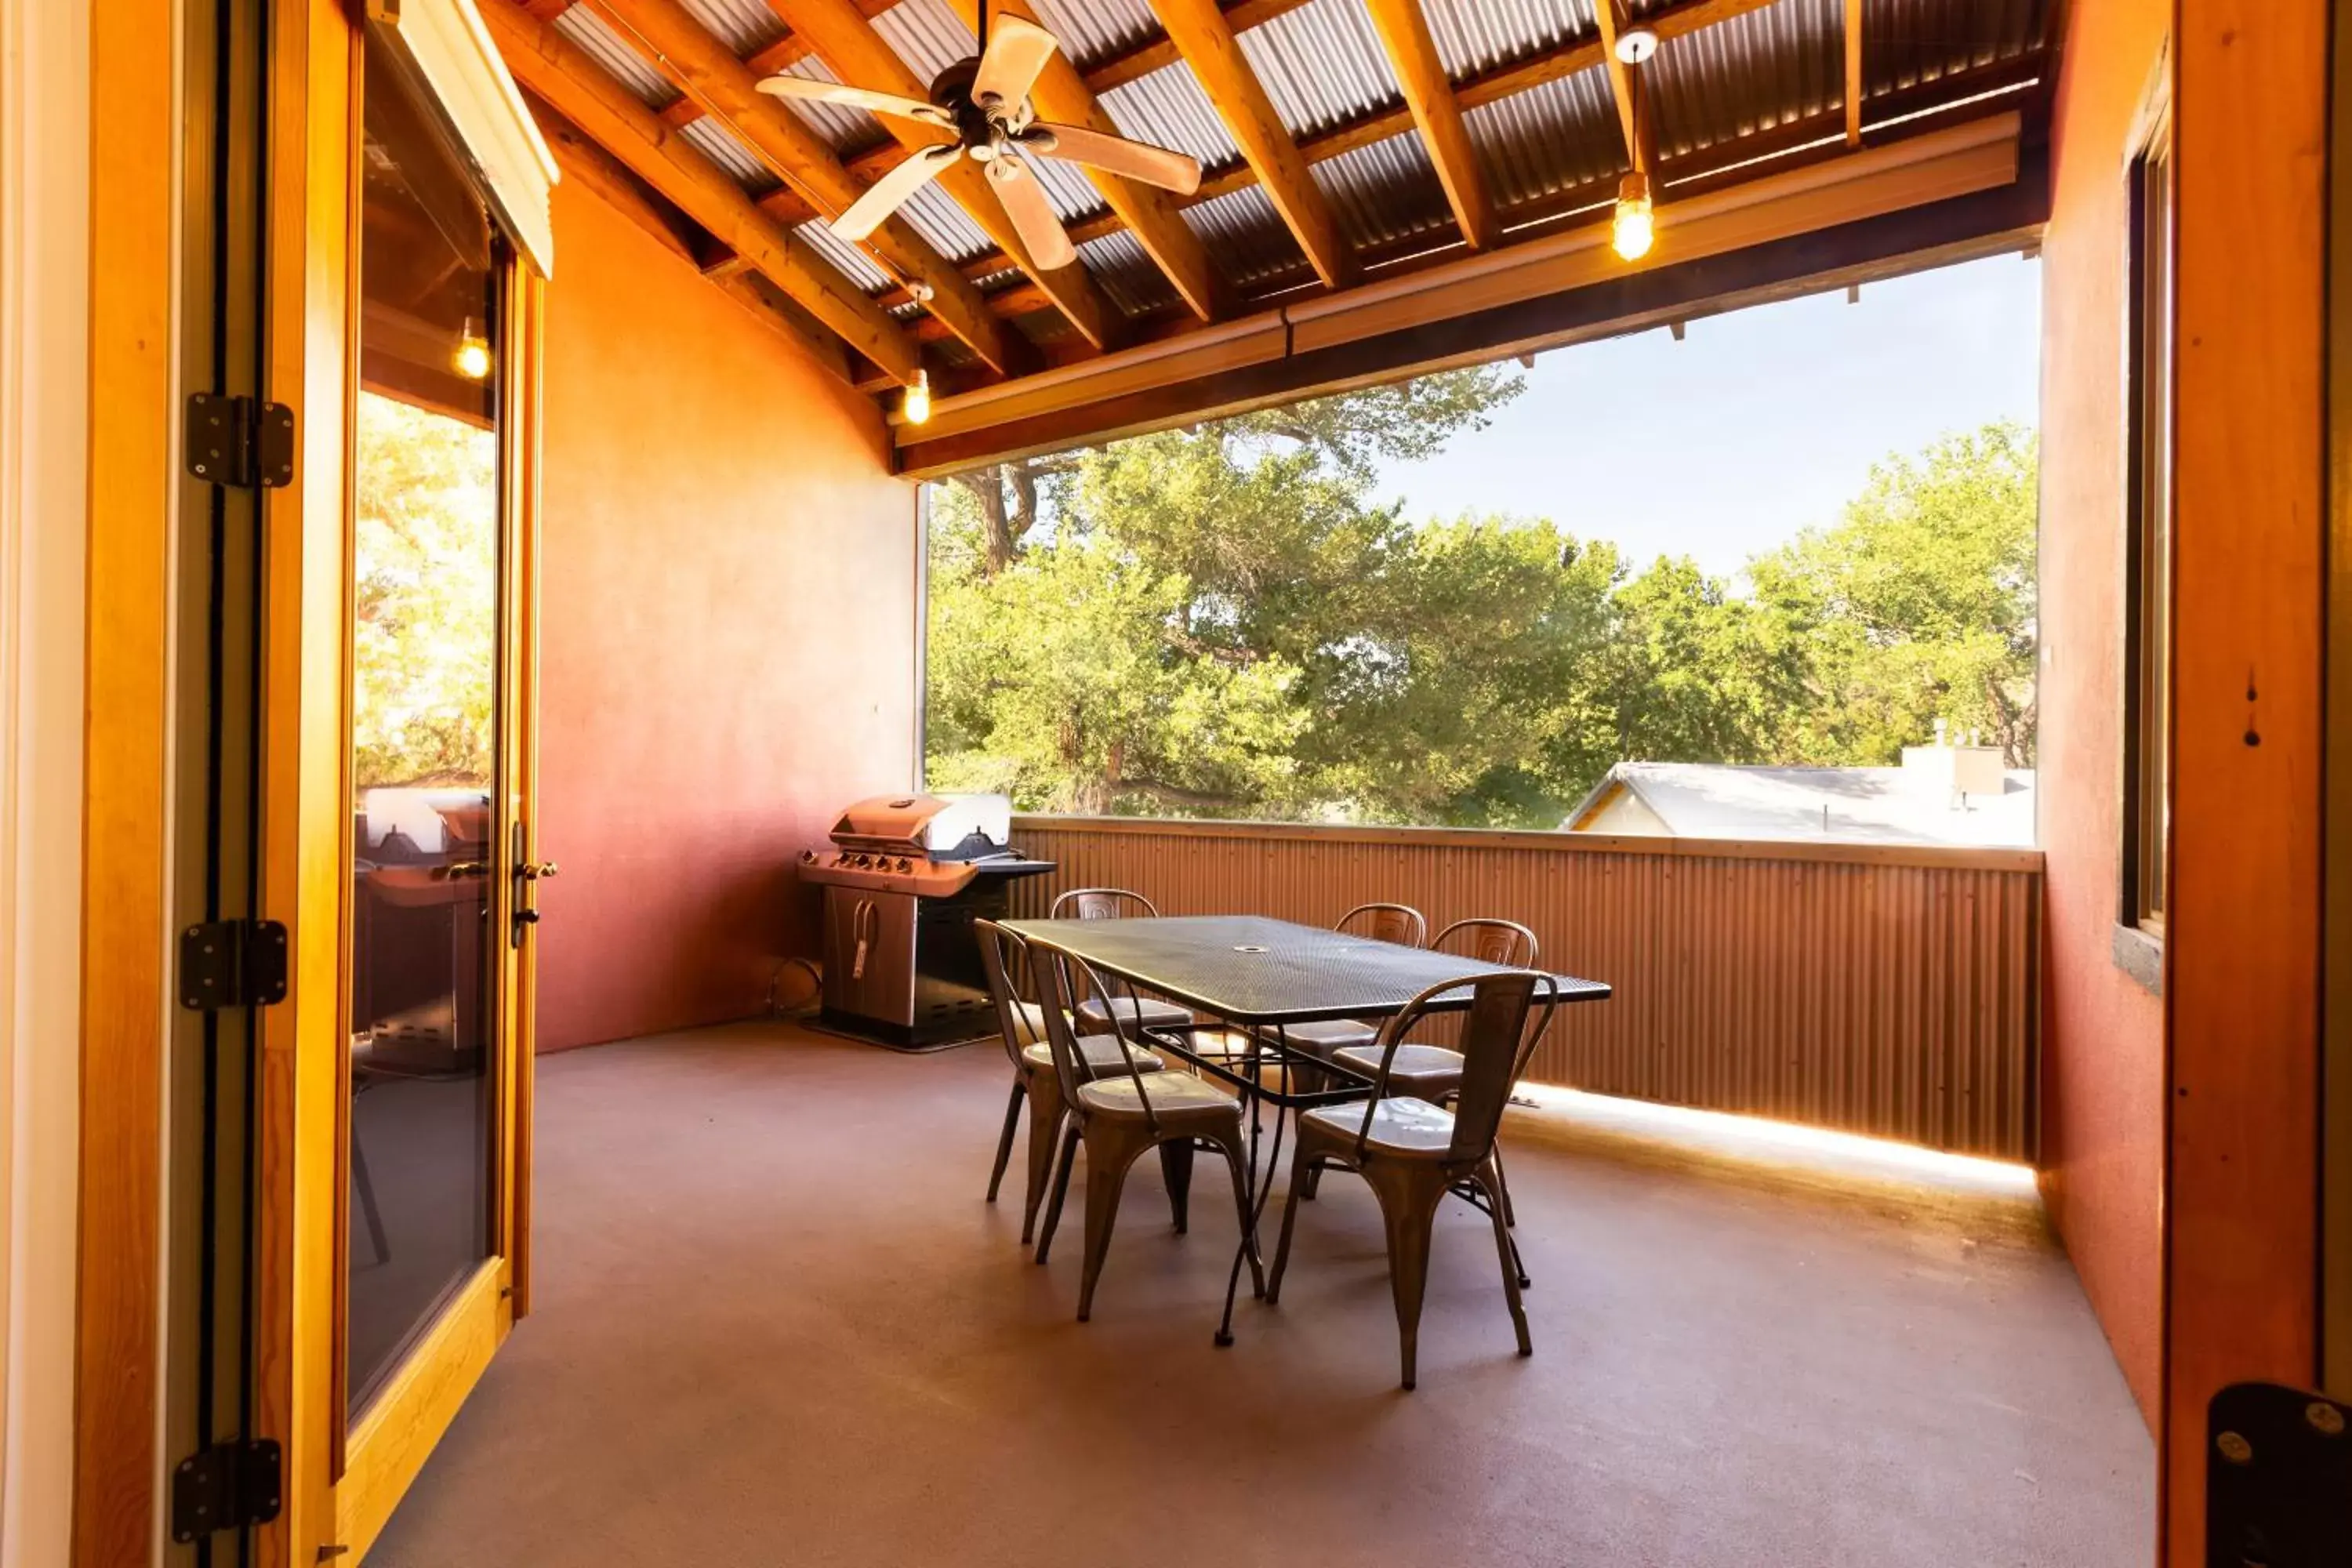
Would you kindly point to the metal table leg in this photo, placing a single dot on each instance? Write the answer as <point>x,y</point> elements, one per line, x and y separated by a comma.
<point>1259,1186</point>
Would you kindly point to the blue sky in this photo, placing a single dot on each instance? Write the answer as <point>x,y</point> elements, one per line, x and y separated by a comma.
<point>1758,424</point>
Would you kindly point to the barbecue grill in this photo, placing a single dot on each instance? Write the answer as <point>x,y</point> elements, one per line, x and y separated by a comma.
<point>905,879</point>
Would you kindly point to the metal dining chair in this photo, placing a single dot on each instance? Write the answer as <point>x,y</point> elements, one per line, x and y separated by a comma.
<point>1412,1153</point>
<point>1117,1118</point>
<point>1022,1024</point>
<point>1095,1008</point>
<point>1399,923</point>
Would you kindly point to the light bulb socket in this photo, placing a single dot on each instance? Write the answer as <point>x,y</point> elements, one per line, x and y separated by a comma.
<point>1635,45</point>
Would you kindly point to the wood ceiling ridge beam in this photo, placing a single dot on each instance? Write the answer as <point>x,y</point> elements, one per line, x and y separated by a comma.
<point>1207,42</point>
<point>1149,214</point>
<point>725,86</point>
<point>844,37</point>
<point>606,112</point>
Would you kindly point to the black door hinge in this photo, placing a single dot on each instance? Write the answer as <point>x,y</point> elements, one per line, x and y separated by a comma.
<point>2278,1472</point>
<point>232,963</point>
<point>240,441</point>
<point>228,1486</point>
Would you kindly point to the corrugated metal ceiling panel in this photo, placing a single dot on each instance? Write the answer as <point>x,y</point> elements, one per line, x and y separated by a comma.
<point>927,36</point>
<point>1749,74</point>
<point>721,146</point>
<point>1910,41</point>
<point>1247,236</point>
<point>849,258</point>
<point>937,217</point>
<point>1126,275</point>
<point>1322,65</point>
<point>1168,109</point>
<point>1475,36</point>
<point>618,57</point>
<point>1073,194</point>
<point>1387,191</point>
<point>1547,139</point>
<point>1092,30</point>
<point>742,25</point>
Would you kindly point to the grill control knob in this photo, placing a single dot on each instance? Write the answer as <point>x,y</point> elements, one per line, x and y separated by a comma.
<point>905,864</point>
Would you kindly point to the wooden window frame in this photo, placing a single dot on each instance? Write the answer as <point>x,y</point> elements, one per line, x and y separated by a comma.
<point>2149,394</point>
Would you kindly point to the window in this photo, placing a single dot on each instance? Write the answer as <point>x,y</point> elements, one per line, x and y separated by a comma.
<point>2148,695</point>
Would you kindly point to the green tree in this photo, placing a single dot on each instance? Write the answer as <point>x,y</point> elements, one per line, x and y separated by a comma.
<point>1918,606</point>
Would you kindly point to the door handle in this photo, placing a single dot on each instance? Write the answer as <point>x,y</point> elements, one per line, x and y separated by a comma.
<point>537,871</point>
<point>456,868</point>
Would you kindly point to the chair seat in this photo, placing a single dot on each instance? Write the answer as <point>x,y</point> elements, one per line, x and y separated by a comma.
<point>1406,1128</point>
<point>1425,1072</point>
<point>1099,1052</point>
<point>1135,1012</point>
<point>1175,1096</point>
<point>1327,1039</point>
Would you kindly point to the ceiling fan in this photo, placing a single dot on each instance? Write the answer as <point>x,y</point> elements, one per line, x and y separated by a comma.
<point>984,103</point>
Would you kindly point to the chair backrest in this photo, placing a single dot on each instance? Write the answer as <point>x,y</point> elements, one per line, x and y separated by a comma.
<point>1399,923</point>
<point>1006,958</point>
<point>1489,942</point>
<point>1507,1017</point>
<point>1102,904</point>
<point>1062,977</point>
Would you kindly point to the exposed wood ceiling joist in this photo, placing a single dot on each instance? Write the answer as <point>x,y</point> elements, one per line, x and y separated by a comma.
<point>1854,73</point>
<point>558,71</point>
<point>724,86</point>
<point>1488,87</point>
<point>1429,98</point>
<point>848,45</point>
<point>1625,90</point>
<point>1206,40</point>
<point>1149,214</point>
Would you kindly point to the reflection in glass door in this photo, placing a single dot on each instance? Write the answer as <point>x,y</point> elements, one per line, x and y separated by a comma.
<point>426,646</point>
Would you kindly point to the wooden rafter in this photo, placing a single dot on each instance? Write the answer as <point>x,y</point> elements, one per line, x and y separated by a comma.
<point>1149,214</point>
<point>1153,54</point>
<point>1490,86</point>
<point>1429,97</point>
<point>1854,73</point>
<point>724,86</point>
<point>846,42</point>
<point>560,72</point>
<point>1201,34</point>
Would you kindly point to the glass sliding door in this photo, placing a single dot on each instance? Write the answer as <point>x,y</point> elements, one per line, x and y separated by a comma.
<point>428,594</point>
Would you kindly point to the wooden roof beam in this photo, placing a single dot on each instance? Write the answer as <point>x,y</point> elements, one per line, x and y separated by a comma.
<point>726,87</point>
<point>1488,87</point>
<point>846,42</point>
<point>1854,73</point>
<point>560,72</point>
<point>1429,98</point>
<point>1200,31</point>
<point>1151,213</point>
<point>1155,54</point>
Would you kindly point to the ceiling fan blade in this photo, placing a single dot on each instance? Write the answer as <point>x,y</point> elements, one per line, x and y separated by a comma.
<point>1033,216</point>
<point>885,196</point>
<point>1158,166</point>
<point>1017,51</point>
<point>857,98</point>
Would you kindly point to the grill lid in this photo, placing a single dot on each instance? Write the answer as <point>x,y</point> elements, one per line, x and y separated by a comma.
<point>940,826</point>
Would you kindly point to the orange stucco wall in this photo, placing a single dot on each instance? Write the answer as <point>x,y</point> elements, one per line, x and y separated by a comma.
<point>727,654</point>
<point>2103,1044</point>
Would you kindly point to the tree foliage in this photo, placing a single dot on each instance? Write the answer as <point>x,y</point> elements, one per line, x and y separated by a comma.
<point>1226,621</point>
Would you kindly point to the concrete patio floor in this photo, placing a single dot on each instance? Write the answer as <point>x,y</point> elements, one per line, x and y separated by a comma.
<point>775,1325</point>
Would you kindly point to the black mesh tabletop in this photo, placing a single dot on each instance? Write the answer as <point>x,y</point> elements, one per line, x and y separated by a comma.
<point>1252,970</point>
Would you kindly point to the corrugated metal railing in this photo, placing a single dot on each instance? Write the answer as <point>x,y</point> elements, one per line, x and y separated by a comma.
<point>1877,989</point>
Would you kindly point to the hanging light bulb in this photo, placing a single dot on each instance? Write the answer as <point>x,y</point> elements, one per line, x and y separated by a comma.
<point>917,404</point>
<point>473,356</point>
<point>1634,226</point>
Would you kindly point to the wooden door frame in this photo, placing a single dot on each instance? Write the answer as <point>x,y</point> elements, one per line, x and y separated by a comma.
<point>2243,940</point>
<point>133,288</point>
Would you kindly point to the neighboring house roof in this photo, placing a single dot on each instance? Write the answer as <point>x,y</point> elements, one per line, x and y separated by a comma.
<point>1886,806</point>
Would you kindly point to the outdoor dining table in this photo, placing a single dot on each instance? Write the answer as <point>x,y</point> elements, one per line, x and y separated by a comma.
<point>1261,975</point>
